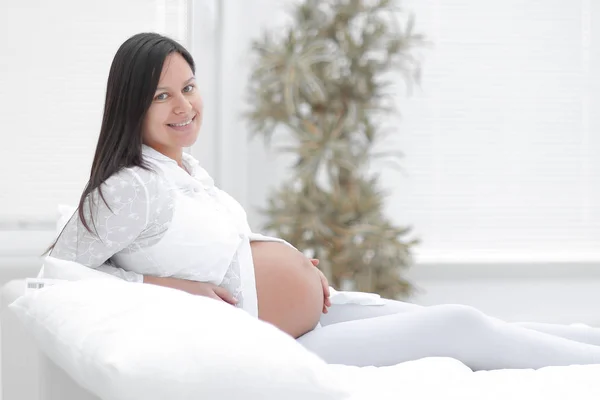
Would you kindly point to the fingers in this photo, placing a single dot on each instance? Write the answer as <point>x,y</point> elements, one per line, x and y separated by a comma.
<point>325,284</point>
<point>213,295</point>
<point>326,288</point>
<point>324,281</point>
<point>326,301</point>
<point>224,295</point>
<point>326,294</point>
<point>326,305</point>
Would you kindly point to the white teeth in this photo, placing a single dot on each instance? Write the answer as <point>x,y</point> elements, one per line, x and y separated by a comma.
<point>182,124</point>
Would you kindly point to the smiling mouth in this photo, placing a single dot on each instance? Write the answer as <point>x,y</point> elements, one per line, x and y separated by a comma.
<point>180,125</point>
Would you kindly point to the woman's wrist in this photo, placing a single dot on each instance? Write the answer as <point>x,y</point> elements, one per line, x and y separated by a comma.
<point>156,280</point>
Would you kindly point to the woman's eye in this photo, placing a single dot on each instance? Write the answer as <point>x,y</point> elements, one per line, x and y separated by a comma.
<point>162,96</point>
<point>188,88</point>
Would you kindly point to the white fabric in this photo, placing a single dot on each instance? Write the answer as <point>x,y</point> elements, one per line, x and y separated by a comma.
<point>398,332</point>
<point>124,341</point>
<point>166,222</point>
<point>425,379</point>
<point>55,268</point>
<point>361,298</point>
<point>169,222</point>
<point>448,379</point>
<point>71,271</point>
<point>65,212</point>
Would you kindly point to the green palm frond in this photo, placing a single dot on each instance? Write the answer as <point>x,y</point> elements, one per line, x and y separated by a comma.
<point>328,81</point>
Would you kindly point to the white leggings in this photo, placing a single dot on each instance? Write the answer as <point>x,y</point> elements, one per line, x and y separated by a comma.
<point>397,332</point>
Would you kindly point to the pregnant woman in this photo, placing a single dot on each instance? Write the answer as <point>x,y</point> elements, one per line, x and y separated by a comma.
<point>150,214</point>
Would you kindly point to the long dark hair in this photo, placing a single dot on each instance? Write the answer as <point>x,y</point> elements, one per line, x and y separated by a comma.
<point>132,83</point>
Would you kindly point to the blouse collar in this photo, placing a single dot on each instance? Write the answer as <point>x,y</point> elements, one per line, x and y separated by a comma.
<point>148,151</point>
<point>191,164</point>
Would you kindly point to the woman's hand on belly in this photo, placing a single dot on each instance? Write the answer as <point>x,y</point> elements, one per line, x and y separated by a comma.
<point>193,287</point>
<point>324,283</point>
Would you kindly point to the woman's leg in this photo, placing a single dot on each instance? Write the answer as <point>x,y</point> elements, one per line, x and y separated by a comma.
<point>349,312</point>
<point>582,334</point>
<point>455,331</point>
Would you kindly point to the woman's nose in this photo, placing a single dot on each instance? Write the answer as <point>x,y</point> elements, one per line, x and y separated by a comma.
<point>183,105</point>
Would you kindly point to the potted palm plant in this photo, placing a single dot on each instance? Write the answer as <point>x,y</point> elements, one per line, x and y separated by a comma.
<point>325,82</point>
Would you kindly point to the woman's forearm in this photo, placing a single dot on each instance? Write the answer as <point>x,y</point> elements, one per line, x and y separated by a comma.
<point>196,288</point>
<point>121,273</point>
<point>153,280</point>
<point>169,282</point>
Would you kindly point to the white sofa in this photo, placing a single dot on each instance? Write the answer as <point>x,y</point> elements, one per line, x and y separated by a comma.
<point>27,374</point>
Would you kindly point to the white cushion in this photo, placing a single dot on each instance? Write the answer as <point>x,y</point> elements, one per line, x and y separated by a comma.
<point>126,341</point>
<point>55,268</point>
<point>65,212</point>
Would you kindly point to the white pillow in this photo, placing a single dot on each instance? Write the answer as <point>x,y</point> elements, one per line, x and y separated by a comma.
<point>124,341</point>
<point>55,268</point>
<point>65,212</point>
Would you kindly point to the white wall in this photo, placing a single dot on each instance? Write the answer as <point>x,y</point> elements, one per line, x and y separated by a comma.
<point>244,168</point>
<point>499,179</point>
<point>55,60</point>
<point>500,142</point>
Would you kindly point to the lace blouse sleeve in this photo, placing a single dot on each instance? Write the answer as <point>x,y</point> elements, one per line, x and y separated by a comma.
<point>129,276</point>
<point>115,224</point>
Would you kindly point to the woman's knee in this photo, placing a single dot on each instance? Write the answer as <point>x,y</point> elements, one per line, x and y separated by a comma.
<point>459,316</point>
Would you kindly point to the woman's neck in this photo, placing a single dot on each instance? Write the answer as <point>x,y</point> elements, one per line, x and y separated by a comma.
<point>175,154</point>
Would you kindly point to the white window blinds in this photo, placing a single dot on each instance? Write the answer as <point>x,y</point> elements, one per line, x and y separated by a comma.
<point>502,144</point>
<point>55,61</point>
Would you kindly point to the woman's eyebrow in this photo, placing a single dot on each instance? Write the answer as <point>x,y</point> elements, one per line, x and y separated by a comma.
<point>184,83</point>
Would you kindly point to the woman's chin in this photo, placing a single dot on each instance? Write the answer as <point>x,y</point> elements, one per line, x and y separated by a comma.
<point>184,139</point>
<point>189,142</point>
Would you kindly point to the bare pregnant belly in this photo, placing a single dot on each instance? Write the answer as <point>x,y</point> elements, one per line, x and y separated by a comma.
<point>289,290</point>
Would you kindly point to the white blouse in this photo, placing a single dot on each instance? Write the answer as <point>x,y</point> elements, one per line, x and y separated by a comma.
<point>167,223</point>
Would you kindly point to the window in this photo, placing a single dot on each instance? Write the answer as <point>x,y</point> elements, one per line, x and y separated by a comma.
<point>55,61</point>
<point>501,143</point>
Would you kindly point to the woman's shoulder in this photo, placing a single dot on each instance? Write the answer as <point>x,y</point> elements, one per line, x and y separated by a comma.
<point>135,178</point>
<point>135,189</point>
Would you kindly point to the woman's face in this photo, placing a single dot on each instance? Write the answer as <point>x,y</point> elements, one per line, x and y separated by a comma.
<point>175,116</point>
